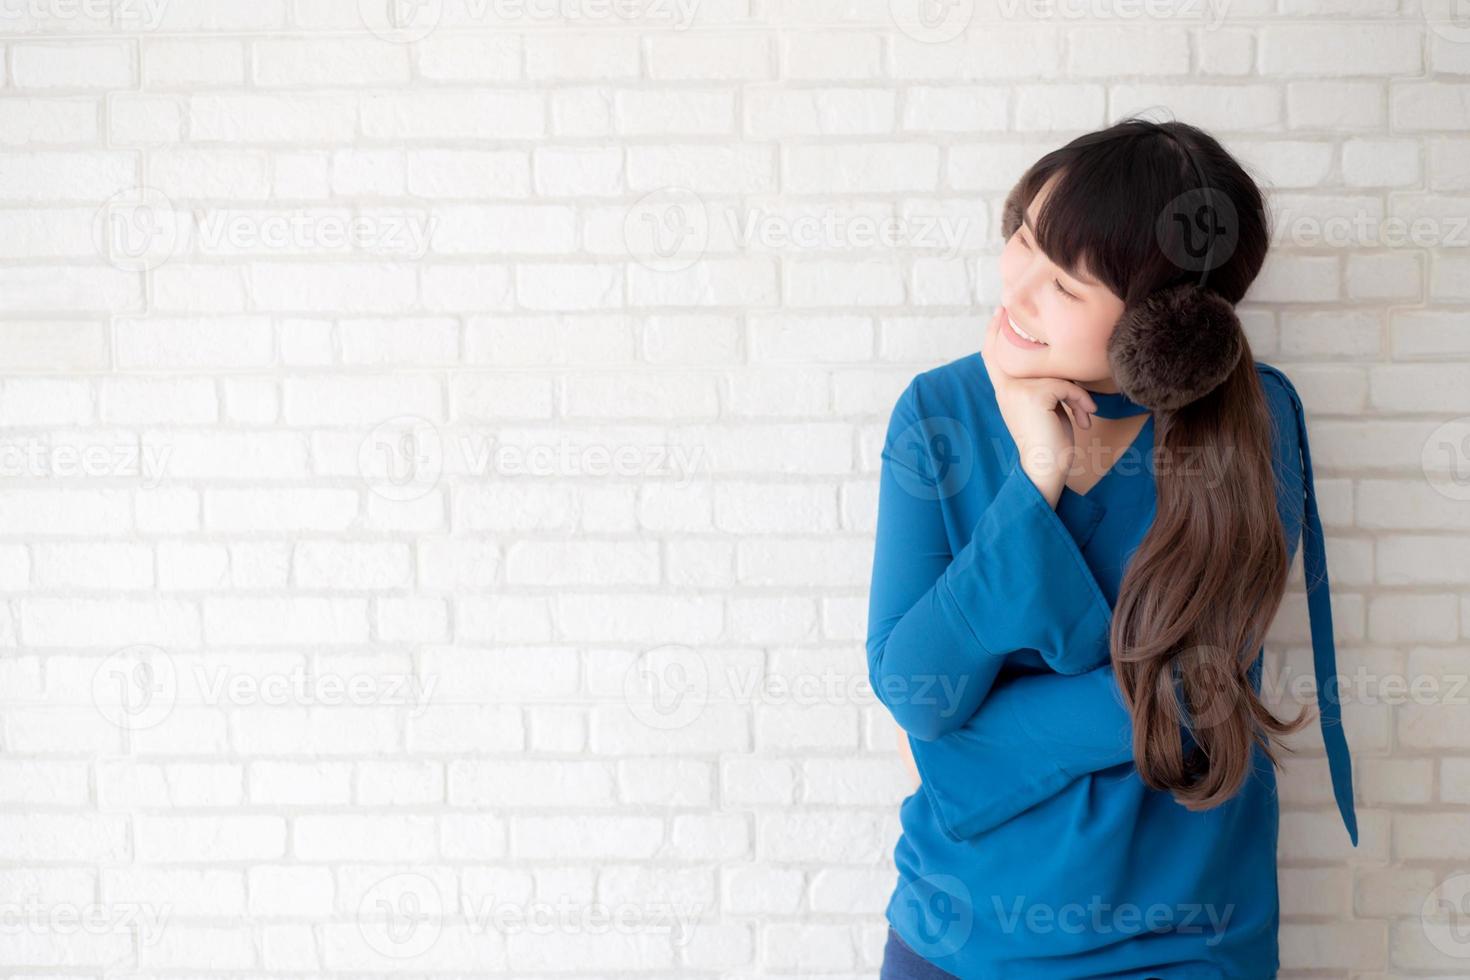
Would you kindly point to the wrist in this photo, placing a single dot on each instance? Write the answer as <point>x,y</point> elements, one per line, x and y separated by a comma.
<point>1052,491</point>
<point>1047,477</point>
<point>1049,485</point>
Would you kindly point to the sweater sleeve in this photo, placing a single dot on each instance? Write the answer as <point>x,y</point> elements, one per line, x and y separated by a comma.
<point>940,624</point>
<point>1034,735</point>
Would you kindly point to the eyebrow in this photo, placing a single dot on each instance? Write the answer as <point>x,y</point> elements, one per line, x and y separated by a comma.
<point>1026,220</point>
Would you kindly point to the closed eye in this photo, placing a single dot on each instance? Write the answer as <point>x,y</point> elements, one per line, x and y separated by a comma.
<point>1021,237</point>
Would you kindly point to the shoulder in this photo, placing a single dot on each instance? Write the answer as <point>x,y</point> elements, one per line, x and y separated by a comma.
<point>1284,404</point>
<point>1288,422</point>
<point>1278,386</point>
<point>952,387</point>
<point>952,405</point>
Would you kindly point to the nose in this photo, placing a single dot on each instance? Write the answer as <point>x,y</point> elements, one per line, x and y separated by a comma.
<point>1018,295</point>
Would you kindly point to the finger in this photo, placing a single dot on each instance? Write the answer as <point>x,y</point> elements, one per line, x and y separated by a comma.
<point>1077,399</point>
<point>1082,415</point>
<point>1083,406</point>
<point>1082,419</point>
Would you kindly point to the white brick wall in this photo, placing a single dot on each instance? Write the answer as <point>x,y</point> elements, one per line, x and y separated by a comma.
<point>384,405</point>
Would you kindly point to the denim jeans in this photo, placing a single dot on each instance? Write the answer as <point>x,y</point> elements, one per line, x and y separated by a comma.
<point>902,963</point>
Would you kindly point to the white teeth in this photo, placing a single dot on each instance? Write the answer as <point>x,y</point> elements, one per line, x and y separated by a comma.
<point>1016,327</point>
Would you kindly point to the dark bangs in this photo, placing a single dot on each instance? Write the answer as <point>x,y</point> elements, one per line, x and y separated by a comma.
<point>1103,215</point>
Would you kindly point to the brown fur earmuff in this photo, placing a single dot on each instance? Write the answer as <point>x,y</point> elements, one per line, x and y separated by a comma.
<point>1173,348</point>
<point>1010,212</point>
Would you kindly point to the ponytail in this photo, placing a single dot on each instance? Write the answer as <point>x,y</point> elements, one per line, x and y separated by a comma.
<point>1199,594</point>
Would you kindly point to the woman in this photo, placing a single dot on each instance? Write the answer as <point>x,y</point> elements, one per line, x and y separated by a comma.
<point>1077,560</point>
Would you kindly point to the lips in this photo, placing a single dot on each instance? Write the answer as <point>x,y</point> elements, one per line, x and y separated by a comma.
<point>1017,327</point>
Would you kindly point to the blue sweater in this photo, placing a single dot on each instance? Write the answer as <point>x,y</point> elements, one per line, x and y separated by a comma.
<point>1033,849</point>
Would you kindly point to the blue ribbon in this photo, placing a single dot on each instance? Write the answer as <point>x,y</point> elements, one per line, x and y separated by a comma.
<point>1324,651</point>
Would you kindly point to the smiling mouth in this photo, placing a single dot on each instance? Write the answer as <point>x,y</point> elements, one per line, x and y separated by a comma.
<point>1021,333</point>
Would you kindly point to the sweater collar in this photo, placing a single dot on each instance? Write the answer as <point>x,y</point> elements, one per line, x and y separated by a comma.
<point>1114,404</point>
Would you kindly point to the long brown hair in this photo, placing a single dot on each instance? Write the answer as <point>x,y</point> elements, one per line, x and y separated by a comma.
<point>1203,586</point>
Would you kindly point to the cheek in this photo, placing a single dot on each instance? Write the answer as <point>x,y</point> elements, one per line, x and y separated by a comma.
<point>1083,334</point>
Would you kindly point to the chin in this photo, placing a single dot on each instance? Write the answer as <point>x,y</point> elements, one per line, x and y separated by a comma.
<point>1026,364</point>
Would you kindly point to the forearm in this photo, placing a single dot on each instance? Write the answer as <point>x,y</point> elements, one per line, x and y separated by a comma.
<point>940,624</point>
<point>1020,583</point>
<point>1033,736</point>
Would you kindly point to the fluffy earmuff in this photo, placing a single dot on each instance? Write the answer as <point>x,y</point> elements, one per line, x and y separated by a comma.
<point>1010,212</point>
<point>1173,348</point>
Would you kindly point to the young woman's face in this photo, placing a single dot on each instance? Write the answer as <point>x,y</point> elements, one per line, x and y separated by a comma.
<point>1073,315</point>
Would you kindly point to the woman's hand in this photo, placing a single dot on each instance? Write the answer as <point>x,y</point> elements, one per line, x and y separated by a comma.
<point>1032,411</point>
